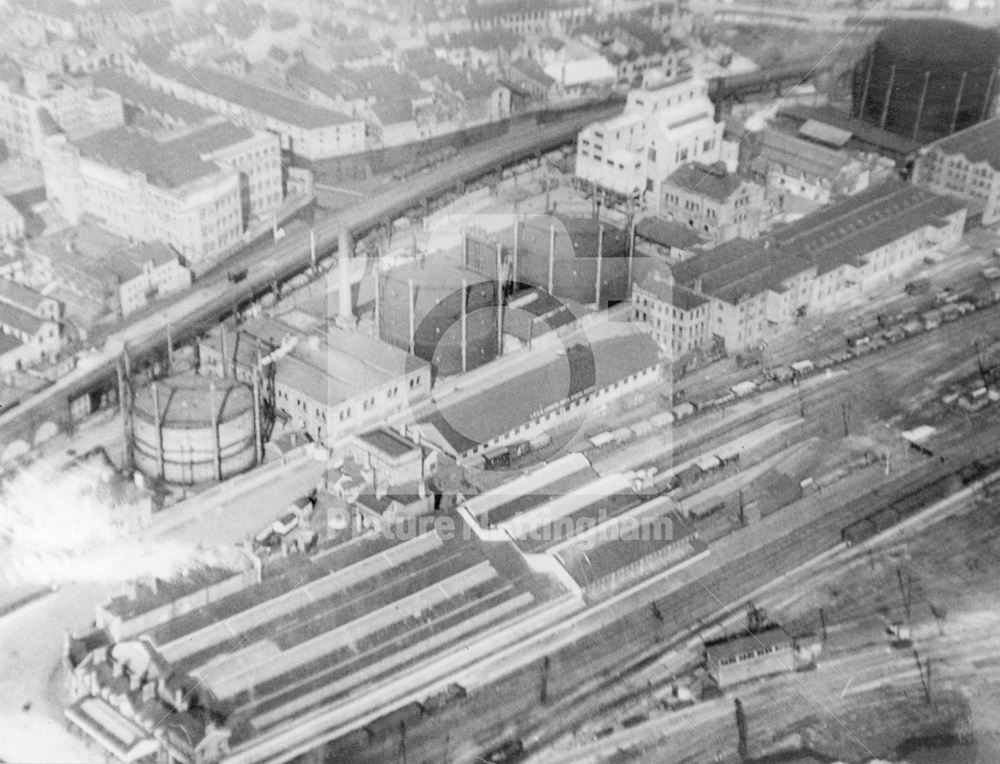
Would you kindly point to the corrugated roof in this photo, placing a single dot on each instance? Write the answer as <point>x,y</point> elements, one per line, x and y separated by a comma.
<point>845,232</point>
<point>739,268</point>
<point>805,156</point>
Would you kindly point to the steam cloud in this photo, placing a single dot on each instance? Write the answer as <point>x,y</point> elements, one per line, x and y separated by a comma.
<point>64,526</point>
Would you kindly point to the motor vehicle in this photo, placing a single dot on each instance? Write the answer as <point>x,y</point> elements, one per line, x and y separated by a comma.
<point>285,524</point>
<point>918,286</point>
<point>235,277</point>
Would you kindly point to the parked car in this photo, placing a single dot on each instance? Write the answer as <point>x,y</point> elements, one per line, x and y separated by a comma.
<point>285,524</point>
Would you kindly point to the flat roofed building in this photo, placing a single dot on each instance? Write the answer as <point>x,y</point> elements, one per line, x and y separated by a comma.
<point>304,129</point>
<point>186,190</point>
<point>966,164</point>
<point>717,204</point>
<point>35,105</point>
<point>393,458</point>
<point>664,125</point>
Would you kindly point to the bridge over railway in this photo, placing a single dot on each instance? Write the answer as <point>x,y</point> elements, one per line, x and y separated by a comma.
<point>213,298</point>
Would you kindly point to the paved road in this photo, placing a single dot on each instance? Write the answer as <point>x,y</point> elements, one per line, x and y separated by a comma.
<point>214,296</point>
<point>581,659</point>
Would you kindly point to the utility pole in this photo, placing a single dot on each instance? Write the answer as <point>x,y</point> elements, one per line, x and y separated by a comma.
<point>904,590</point>
<point>743,519</point>
<point>822,622</point>
<point>925,680</point>
<point>981,364</point>
<point>543,693</point>
<point>741,730</point>
<point>655,610</point>
<point>402,741</point>
<point>845,409</point>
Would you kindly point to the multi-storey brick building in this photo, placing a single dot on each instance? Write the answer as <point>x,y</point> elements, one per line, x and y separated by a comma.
<point>966,164</point>
<point>718,205</point>
<point>193,191</point>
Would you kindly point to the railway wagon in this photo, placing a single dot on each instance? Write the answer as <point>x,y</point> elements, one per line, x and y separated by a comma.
<point>858,531</point>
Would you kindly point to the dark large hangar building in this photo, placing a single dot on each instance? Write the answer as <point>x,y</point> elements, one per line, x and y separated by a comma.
<point>925,79</point>
<point>422,308</point>
<point>571,250</point>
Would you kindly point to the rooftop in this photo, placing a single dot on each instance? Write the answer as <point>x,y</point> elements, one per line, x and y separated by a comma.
<point>20,320</point>
<point>388,442</point>
<point>740,268</point>
<point>666,233</point>
<point>530,69</point>
<point>730,647</point>
<point>9,342</point>
<point>663,287</point>
<point>250,96</point>
<point>802,154</point>
<point>979,143</point>
<point>17,294</point>
<point>708,180</point>
<point>848,230</point>
<point>149,99</point>
<point>863,134</point>
<point>169,163</point>
<point>342,365</point>
<point>495,411</point>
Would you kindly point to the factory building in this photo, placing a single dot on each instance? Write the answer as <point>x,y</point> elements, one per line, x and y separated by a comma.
<point>742,292</point>
<point>330,384</point>
<point>967,165</point>
<point>618,360</point>
<point>220,662</point>
<point>189,429</point>
<point>664,125</point>
<point>925,79</point>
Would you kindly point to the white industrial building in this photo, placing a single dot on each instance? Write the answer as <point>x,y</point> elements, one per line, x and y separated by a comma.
<point>665,124</point>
